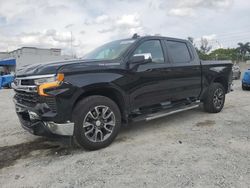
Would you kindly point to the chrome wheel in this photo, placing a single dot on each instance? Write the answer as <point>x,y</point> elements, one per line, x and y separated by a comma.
<point>99,123</point>
<point>218,98</point>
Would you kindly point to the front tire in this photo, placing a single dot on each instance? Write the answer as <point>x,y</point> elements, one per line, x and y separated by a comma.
<point>215,98</point>
<point>97,122</point>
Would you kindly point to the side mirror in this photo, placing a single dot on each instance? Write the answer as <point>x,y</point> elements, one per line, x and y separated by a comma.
<point>141,58</point>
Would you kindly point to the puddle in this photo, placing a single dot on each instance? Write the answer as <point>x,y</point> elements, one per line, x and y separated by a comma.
<point>205,123</point>
<point>10,154</point>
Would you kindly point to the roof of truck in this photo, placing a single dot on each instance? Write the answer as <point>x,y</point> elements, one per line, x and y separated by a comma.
<point>156,37</point>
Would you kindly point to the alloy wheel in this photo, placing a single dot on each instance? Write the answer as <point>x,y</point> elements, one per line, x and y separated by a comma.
<point>98,124</point>
<point>218,98</point>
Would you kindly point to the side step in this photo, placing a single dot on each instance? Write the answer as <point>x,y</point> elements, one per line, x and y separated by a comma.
<point>167,112</point>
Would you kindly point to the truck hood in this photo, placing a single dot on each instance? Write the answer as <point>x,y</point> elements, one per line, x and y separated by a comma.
<point>54,67</point>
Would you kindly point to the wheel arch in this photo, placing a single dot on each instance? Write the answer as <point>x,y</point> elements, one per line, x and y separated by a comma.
<point>223,81</point>
<point>110,92</point>
<point>219,79</point>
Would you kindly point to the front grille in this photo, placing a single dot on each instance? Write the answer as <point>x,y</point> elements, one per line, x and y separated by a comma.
<point>26,94</point>
<point>31,99</point>
<point>27,98</point>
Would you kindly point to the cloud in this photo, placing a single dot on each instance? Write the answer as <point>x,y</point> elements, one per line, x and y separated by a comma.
<point>188,7</point>
<point>181,12</point>
<point>82,32</point>
<point>50,23</point>
<point>126,24</point>
<point>46,39</point>
<point>128,21</point>
<point>209,37</point>
<point>69,26</point>
<point>205,3</point>
<point>106,30</point>
<point>102,19</point>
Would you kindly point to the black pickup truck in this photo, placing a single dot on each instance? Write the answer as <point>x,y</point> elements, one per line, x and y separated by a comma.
<point>135,79</point>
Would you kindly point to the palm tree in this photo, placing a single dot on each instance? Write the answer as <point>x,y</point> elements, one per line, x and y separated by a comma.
<point>243,49</point>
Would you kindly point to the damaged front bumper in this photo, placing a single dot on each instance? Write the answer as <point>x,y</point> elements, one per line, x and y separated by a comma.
<point>32,122</point>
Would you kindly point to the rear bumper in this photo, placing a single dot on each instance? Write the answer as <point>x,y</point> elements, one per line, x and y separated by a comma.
<point>32,122</point>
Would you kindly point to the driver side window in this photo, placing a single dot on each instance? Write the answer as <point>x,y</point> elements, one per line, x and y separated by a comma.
<point>152,47</point>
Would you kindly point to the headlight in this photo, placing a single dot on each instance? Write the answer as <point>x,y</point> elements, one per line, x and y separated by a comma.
<point>44,80</point>
<point>49,82</point>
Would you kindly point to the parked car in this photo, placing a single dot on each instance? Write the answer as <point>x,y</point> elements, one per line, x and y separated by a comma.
<point>135,79</point>
<point>236,72</point>
<point>246,80</point>
<point>6,80</point>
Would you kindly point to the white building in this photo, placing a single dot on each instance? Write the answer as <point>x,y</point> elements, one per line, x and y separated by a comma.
<point>4,55</point>
<point>32,55</point>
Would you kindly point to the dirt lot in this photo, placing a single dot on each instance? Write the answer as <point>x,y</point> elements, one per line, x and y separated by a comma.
<point>189,149</point>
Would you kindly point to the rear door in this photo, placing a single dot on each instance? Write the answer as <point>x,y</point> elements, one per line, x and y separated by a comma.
<point>185,73</point>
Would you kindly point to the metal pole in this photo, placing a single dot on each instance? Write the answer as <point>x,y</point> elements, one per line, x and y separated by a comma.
<point>71,41</point>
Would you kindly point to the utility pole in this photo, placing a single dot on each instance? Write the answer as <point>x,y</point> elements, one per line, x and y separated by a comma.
<point>71,43</point>
<point>69,27</point>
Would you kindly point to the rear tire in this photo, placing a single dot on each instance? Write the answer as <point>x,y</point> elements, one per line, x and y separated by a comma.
<point>215,98</point>
<point>97,122</point>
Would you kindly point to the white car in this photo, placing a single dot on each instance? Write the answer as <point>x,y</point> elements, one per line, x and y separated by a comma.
<point>236,72</point>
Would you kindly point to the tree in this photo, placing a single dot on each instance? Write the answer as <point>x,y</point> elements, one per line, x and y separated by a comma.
<point>223,54</point>
<point>243,49</point>
<point>232,54</point>
<point>205,47</point>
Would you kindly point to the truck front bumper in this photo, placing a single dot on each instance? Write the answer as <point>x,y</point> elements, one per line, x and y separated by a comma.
<point>32,122</point>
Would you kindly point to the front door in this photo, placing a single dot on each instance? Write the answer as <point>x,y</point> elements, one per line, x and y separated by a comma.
<point>149,81</point>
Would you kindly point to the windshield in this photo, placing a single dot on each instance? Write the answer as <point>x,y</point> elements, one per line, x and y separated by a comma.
<point>109,51</point>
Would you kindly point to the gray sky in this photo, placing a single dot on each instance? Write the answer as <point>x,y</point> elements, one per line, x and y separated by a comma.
<point>48,23</point>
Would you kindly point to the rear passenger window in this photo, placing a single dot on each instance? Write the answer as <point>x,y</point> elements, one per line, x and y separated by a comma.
<point>178,51</point>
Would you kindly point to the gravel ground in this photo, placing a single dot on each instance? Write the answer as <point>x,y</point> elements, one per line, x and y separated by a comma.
<point>189,149</point>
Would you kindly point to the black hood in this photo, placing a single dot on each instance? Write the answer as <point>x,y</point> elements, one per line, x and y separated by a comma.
<point>53,67</point>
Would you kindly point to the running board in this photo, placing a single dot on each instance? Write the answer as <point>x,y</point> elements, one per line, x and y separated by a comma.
<point>166,112</point>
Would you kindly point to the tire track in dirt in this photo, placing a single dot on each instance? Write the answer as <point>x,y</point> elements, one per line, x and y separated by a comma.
<point>10,154</point>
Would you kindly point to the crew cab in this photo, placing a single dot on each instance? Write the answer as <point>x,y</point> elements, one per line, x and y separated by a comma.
<point>134,79</point>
